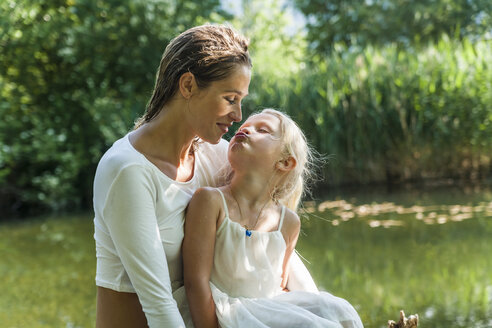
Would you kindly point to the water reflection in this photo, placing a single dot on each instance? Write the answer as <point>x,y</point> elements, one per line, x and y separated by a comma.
<point>342,210</point>
<point>431,258</point>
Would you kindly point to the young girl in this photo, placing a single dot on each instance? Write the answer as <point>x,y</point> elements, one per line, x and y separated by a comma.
<point>239,238</point>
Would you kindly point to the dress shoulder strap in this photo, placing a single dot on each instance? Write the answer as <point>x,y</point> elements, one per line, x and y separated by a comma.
<point>224,201</point>
<point>282,214</point>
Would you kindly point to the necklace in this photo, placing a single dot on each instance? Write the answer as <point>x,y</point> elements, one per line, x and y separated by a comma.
<point>248,231</point>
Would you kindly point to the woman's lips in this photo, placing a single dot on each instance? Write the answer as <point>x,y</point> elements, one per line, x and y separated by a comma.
<point>224,127</point>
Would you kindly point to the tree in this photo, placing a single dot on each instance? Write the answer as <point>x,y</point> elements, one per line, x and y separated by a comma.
<point>405,22</point>
<point>74,74</point>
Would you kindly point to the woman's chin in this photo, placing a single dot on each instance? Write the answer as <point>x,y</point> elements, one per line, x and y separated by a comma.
<point>211,139</point>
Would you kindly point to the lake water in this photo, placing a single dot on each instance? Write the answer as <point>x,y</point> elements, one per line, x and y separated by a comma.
<point>423,250</point>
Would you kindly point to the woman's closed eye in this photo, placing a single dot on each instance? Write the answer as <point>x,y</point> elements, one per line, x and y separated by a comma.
<point>231,101</point>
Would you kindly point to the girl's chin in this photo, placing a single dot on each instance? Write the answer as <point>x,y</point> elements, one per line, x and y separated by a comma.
<point>234,146</point>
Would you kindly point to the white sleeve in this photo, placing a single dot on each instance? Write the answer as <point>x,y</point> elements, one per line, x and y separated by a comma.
<point>130,216</point>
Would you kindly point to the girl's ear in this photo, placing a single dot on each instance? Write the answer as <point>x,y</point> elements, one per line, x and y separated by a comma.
<point>286,164</point>
<point>187,84</point>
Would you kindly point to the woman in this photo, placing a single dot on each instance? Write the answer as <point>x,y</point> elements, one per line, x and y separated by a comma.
<point>144,182</point>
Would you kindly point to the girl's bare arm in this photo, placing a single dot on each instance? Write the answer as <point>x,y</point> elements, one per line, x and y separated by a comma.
<point>290,230</point>
<point>198,253</point>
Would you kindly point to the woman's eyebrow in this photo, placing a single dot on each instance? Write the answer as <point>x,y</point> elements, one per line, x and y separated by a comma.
<point>236,91</point>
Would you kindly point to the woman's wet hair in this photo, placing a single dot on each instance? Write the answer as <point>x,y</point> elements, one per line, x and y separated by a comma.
<point>210,52</point>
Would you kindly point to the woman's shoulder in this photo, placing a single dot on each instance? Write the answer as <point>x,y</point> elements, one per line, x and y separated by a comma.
<point>122,154</point>
<point>213,167</point>
<point>213,152</point>
<point>121,157</point>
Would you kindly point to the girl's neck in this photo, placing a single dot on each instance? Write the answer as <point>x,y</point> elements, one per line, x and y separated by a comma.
<point>251,189</point>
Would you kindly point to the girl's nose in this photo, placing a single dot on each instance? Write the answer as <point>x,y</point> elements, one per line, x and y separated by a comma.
<point>245,129</point>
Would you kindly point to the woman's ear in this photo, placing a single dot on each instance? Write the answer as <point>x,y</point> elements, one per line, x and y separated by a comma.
<point>286,164</point>
<point>187,84</point>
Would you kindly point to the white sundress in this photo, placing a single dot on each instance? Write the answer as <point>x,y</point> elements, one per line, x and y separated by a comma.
<point>245,282</point>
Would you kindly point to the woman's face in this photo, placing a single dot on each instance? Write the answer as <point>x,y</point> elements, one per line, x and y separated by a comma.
<point>215,108</point>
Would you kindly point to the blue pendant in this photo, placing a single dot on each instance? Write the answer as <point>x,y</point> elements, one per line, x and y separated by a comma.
<point>248,233</point>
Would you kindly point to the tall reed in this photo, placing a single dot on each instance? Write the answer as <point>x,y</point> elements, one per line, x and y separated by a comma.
<point>388,114</point>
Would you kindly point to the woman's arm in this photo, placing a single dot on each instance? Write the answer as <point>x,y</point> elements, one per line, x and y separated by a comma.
<point>129,213</point>
<point>198,255</point>
<point>290,230</point>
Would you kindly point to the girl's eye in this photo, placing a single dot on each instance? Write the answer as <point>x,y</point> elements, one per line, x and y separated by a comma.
<point>263,130</point>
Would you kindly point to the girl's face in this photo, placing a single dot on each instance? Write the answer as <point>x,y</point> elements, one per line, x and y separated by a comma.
<point>257,144</point>
<point>213,110</point>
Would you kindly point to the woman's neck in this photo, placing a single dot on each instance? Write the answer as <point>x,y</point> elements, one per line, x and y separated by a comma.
<point>167,137</point>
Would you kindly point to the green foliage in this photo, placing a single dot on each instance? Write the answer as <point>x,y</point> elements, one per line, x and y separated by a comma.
<point>74,75</point>
<point>386,114</point>
<point>360,23</point>
<point>389,115</point>
<point>278,54</point>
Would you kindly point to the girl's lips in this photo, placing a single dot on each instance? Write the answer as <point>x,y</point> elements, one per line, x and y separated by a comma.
<point>241,135</point>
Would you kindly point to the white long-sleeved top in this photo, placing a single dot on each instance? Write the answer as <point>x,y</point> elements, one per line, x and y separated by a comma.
<point>139,221</point>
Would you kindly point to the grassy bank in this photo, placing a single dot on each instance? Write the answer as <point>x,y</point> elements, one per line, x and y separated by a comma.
<point>47,270</point>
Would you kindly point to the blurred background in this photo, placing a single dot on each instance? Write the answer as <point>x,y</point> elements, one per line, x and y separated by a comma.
<point>397,93</point>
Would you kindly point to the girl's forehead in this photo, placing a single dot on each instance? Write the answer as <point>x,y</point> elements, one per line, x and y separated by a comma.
<point>264,118</point>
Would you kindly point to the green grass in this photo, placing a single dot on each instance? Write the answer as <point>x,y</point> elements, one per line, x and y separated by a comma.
<point>47,269</point>
<point>425,252</point>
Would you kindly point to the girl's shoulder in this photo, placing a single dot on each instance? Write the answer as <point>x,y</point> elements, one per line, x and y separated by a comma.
<point>205,205</point>
<point>291,223</point>
<point>207,197</point>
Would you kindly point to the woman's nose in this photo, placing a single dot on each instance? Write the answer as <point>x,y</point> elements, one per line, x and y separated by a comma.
<point>236,115</point>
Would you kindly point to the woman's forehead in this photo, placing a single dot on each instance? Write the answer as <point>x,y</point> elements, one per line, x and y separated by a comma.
<point>237,82</point>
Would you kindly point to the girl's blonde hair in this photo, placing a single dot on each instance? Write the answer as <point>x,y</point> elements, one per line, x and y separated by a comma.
<point>293,185</point>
